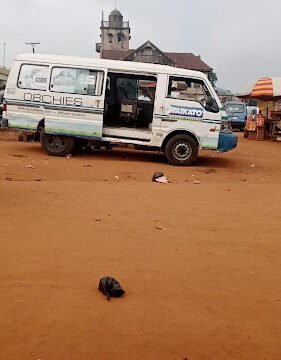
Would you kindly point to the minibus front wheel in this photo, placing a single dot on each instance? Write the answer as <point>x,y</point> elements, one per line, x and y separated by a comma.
<point>181,150</point>
<point>57,145</point>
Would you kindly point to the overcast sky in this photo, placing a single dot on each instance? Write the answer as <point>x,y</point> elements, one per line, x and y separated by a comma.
<point>240,39</point>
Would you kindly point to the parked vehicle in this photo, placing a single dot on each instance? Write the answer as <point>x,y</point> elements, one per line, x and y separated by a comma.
<point>237,114</point>
<point>2,91</point>
<point>252,110</point>
<point>72,101</point>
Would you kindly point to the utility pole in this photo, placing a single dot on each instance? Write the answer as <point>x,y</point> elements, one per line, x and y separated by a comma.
<point>4,53</point>
<point>33,44</point>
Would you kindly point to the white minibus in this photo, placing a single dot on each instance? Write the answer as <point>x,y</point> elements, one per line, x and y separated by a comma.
<point>68,102</point>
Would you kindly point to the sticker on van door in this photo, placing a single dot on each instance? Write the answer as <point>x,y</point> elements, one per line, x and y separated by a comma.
<point>186,113</point>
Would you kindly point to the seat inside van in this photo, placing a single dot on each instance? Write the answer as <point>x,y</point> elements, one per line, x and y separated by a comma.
<point>129,100</point>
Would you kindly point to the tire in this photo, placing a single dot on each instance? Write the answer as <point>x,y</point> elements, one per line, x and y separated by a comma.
<point>37,135</point>
<point>56,145</point>
<point>181,150</point>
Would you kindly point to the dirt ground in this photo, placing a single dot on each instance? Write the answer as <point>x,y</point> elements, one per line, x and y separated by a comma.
<point>200,262</point>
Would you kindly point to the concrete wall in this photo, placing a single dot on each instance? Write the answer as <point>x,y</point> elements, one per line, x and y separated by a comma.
<point>115,39</point>
<point>3,75</point>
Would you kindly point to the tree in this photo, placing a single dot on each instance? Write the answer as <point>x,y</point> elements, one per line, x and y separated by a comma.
<point>212,76</point>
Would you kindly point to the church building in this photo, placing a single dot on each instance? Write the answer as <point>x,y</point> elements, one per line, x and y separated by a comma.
<point>115,45</point>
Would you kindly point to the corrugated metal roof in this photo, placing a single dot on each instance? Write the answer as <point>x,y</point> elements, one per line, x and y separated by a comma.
<point>181,60</point>
<point>223,92</point>
<point>188,61</point>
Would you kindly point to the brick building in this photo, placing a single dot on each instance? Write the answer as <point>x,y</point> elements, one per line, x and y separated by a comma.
<point>115,41</point>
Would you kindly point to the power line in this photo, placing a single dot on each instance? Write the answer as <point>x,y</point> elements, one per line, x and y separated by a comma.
<point>12,33</point>
<point>33,44</point>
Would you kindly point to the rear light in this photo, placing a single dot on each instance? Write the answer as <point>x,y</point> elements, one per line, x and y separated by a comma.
<point>4,106</point>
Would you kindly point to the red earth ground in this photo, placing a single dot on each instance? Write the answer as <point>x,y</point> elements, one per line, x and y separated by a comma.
<point>200,259</point>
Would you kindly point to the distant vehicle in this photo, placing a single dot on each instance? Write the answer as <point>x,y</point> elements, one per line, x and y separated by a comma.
<point>252,110</point>
<point>2,91</point>
<point>237,114</point>
<point>72,101</point>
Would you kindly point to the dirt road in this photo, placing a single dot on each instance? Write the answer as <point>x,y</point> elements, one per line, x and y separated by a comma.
<point>206,287</point>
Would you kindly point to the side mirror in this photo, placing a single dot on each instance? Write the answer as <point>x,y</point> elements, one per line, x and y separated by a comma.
<point>211,105</point>
<point>209,101</point>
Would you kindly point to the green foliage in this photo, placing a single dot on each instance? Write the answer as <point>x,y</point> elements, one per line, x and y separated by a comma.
<point>213,77</point>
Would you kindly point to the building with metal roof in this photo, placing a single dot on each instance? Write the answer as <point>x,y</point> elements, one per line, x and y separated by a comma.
<point>115,41</point>
<point>4,72</point>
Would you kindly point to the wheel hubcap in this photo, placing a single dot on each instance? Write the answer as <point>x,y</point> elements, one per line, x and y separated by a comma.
<point>55,143</point>
<point>182,151</point>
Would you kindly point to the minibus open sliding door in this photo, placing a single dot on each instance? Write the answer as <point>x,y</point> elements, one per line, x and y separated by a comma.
<point>77,102</point>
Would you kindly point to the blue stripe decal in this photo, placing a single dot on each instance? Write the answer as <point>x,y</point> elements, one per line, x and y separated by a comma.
<point>87,137</point>
<point>67,107</point>
<point>218,122</point>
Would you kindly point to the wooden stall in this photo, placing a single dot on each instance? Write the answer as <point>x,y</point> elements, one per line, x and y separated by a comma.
<point>267,124</point>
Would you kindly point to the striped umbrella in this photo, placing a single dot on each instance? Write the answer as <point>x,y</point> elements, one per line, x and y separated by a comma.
<point>267,88</point>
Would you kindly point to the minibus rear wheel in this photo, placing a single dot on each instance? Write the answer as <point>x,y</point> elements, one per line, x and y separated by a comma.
<point>56,145</point>
<point>181,150</point>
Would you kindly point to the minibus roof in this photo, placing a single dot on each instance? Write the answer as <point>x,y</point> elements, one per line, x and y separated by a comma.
<point>108,64</point>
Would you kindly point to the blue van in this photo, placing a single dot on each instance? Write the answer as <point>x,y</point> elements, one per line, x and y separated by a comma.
<point>237,114</point>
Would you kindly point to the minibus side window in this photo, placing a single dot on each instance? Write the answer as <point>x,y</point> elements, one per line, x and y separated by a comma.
<point>33,77</point>
<point>76,81</point>
<point>191,89</point>
<point>187,89</point>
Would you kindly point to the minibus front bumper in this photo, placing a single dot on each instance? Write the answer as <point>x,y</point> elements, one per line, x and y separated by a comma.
<point>237,124</point>
<point>227,141</point>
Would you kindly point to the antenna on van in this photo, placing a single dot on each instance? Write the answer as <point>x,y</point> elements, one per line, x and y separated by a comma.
<point>33,44</point>
<point>115,4</point>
